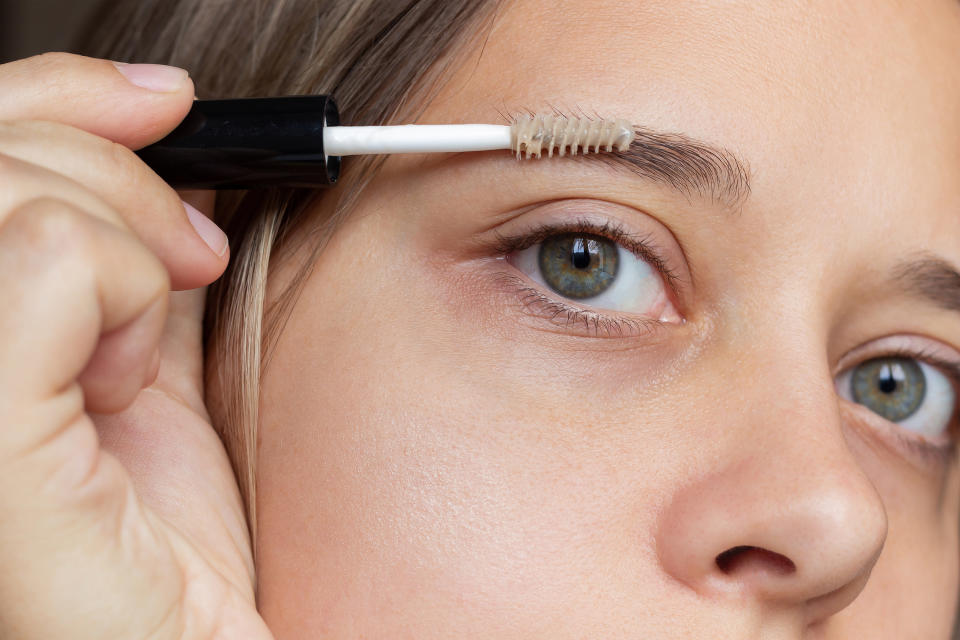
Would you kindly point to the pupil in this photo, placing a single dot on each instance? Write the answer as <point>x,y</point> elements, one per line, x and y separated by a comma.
<point>888,385</point>
<point>580,257</point>
<point>888,378</point>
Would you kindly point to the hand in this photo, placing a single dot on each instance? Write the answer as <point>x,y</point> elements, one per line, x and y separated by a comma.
<point>119,515</point>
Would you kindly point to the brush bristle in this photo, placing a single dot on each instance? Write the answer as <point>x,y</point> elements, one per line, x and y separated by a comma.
<point>532,135</point>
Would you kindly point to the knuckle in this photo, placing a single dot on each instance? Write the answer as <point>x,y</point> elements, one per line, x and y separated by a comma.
<point>156,277</point>
<point>49,226</point>
<point>52,235</point>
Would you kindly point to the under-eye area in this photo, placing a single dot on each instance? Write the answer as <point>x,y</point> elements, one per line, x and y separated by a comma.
<point>907,387</point>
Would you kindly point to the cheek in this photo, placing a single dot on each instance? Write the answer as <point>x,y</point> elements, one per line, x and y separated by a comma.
<point>914,583</point>
<point>426,469</point>
<point>409,465</point>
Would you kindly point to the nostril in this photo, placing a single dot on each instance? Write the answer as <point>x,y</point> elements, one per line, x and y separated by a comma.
<point>736,559</point>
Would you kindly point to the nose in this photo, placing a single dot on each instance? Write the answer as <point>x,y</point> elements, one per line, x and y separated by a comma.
<point>784,514</point>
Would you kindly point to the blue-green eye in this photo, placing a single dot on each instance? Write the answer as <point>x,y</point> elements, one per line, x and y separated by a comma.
<point>597,271</point>
<point>891,387</point>
<point>578,266</point>
<point>903,390</point>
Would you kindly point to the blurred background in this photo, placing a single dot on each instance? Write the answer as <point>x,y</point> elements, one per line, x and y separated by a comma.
<point>28,27</point>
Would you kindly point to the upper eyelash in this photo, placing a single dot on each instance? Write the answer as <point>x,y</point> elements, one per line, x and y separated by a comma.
<point>950,369</point>
<point>601,323</point>
<point>937,453</point>
<point>640,245</point>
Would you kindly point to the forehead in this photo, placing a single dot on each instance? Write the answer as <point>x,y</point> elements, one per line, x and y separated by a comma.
<point>849,107</point>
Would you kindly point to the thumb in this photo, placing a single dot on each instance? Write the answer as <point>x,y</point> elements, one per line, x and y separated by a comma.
<point>133,104</point>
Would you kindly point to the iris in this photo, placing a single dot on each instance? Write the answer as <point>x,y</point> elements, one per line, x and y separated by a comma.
<point>578,266</point>
<point>890,386</point>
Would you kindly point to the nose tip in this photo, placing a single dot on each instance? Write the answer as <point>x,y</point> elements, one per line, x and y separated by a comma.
<point>824,566</point>
<point>812,547</point>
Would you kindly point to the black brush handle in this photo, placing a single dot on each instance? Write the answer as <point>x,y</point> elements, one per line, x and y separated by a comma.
<point>247,143</point>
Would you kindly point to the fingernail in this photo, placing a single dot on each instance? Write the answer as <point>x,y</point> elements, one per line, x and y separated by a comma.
<point>207,229</point>
<point>155,77</point>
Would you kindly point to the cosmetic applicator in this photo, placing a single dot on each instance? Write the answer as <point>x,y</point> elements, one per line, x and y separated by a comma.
<point>297,141</point>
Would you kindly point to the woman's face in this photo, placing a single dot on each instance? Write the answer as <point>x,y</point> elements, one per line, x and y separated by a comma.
<point>704,393</point>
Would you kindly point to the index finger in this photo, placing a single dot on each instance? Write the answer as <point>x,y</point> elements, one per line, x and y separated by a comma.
<point>134,105</point>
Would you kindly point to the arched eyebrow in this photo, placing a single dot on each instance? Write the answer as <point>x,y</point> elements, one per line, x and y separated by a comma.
<point>931,278</point>
<point>688,165</point>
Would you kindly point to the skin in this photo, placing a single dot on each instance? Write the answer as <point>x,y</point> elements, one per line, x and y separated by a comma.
<point>436,461</point>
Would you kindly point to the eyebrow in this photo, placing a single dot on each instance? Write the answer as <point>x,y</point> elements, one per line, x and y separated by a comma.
<point>932,279</point>
<point>688,165</point>
<point>694,167</point>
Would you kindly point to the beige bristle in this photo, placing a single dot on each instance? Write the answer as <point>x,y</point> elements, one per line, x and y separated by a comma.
<point>532,135</point>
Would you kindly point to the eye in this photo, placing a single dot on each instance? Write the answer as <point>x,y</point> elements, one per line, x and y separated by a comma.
<point>903,390</point>
<point>595,270</point>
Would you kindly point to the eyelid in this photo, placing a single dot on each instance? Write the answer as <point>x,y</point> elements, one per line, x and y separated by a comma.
<point>656,246</point>
<point>907,345</point>
<point>641,246</point>
<point>927,350</point>
<point>598,219</point>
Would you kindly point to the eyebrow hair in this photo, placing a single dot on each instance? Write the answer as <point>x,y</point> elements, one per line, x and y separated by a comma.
<point>931,278</point>
<point>690,166</point>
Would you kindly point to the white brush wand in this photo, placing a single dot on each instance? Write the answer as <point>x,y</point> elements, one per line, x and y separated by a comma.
<point>298,141</point>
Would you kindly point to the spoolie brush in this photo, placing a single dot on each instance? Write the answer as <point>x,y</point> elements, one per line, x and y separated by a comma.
<point>528,136</point>
<point>298,141</point>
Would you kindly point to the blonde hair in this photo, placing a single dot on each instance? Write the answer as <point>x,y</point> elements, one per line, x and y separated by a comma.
<point>381,59</point>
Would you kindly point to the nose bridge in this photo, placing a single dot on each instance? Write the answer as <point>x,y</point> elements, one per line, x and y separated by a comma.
<point>784,511</point>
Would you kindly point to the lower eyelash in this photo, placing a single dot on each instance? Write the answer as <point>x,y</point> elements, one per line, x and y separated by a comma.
<point>568,316</point>
<point>935,453</point>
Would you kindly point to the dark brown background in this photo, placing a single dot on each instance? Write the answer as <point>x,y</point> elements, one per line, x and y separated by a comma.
<point>28,27</point>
